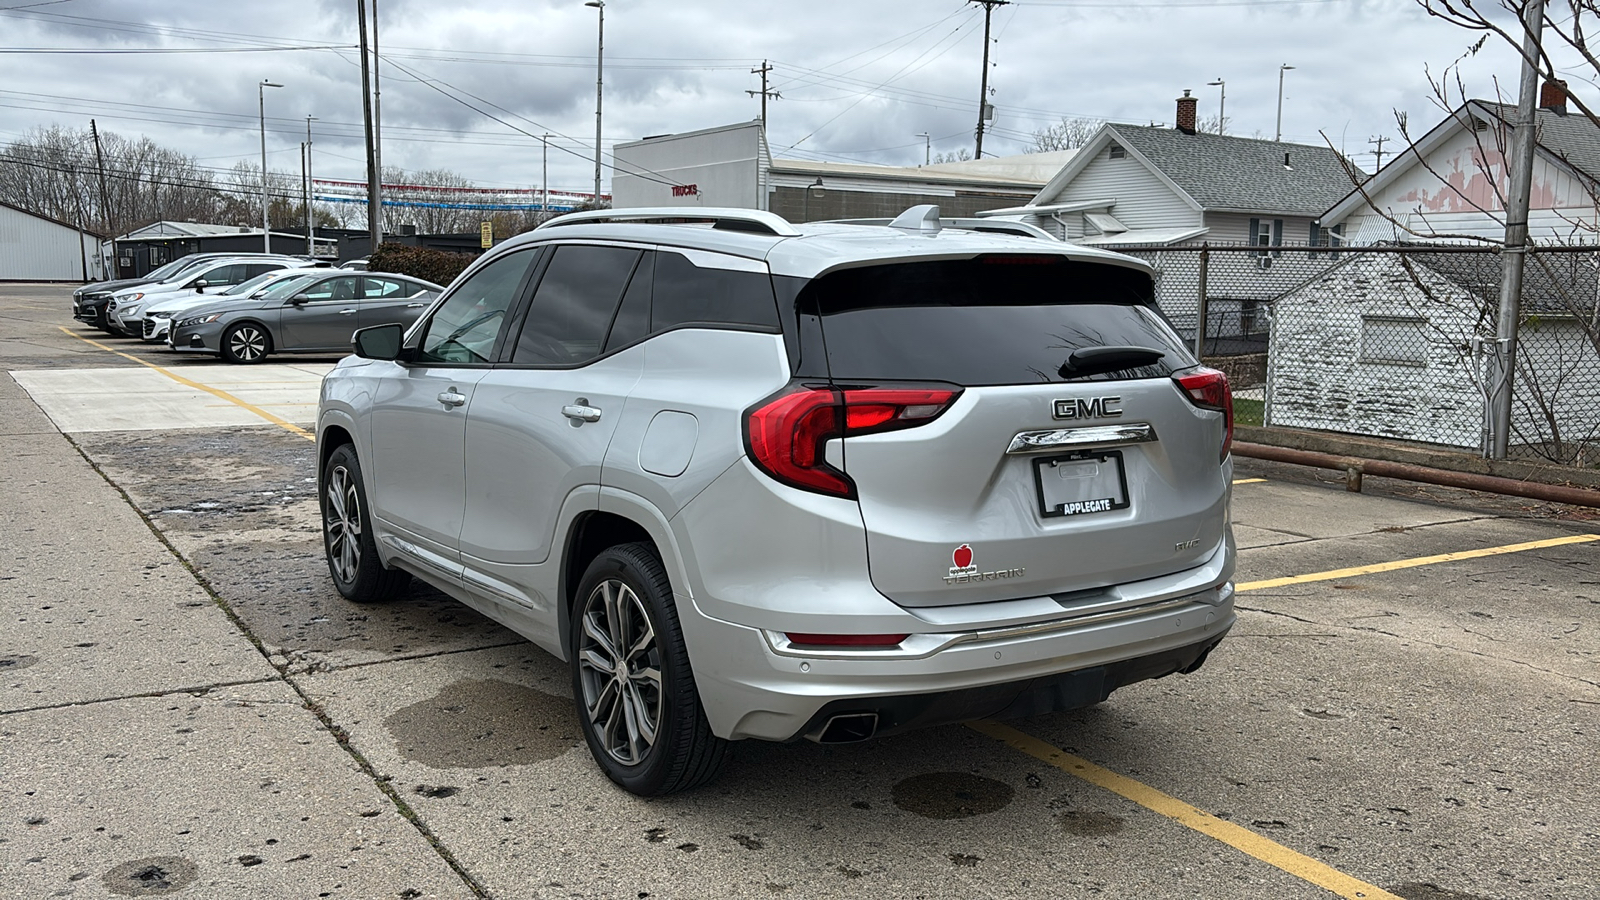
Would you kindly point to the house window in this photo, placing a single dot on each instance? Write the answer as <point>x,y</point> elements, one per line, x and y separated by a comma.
<point>1118,151</point>
<point>1394,341</point>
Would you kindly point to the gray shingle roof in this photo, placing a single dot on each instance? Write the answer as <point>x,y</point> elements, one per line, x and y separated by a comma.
<point>1244,174</point>
<point>1571,137</point>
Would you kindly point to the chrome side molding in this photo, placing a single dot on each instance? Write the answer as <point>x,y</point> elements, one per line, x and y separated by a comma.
<point>1079,438</point>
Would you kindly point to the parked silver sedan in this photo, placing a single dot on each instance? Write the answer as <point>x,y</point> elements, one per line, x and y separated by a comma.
<point>316,314</point>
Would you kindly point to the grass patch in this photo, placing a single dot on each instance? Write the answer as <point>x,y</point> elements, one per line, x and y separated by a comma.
<point>1247,412</point>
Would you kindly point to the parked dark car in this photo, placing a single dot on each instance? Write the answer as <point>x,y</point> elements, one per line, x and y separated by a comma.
<point>303,316</point>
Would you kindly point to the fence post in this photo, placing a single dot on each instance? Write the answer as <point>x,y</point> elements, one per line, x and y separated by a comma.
<point>1200,322</point>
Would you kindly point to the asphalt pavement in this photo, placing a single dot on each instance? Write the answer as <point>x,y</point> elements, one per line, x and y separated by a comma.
<point>1408,707</point>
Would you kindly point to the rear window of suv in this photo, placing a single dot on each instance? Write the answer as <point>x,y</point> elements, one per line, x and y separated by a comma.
<point>990,320</point>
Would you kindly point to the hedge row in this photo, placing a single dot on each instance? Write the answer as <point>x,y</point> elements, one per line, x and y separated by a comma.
<point>437,266</point>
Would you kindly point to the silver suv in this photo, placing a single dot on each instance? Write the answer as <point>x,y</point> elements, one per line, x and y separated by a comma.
<point>759,480</point>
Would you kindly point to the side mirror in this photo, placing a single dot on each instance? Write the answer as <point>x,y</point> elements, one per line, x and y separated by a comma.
<point>299,300</point>
<point>200,286</point>
<point>378,342</point>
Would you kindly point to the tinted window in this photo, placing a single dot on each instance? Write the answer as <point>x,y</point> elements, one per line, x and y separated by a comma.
<point>385,288</point>
<point>230,274</point>
<point>251,270</point>
<point>572,309</point>
<point>633,317</point>
<point>247,288</point>
<point>685,293</point>
<point>989,321</point>
<point>464,328</point>
<point>284,287</point>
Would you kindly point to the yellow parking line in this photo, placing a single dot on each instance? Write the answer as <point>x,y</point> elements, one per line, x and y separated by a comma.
<point>1248,480</point>
<point>1238,837</point>
<point>1413,563</point>
<point>281,423</point>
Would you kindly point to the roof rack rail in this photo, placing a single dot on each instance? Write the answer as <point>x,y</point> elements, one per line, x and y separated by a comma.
<point>753,220</point>
<point>988,226</point>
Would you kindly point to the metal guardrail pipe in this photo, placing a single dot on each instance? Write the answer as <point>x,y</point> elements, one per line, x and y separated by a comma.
<point>1354,468</point>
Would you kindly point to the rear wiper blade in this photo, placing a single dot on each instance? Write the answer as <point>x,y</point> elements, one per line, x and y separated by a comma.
<point>1099,360</point>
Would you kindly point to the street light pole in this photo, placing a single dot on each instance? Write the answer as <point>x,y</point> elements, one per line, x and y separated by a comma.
<point>261,100</point>
<point>1222,106</point>
<point>599,90</point>
<point>544,176</point>
<point>927,147</point>
<point>1278,136</point>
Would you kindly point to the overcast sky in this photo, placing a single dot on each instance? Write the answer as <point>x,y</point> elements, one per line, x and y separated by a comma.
<point>859,78</point>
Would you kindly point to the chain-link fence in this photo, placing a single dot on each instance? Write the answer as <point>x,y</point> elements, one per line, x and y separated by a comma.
<point>1396,342</point>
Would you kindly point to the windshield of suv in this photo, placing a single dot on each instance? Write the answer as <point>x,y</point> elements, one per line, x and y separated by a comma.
<point>245,289</point>
<point>991,320</point>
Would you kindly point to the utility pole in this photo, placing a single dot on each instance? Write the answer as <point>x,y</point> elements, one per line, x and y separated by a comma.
<point>544,175</point>
<point>100,168</point>
<point>374,215</point>
<point>377,114</point>
<point>311,217</point>
<point>1513,255</point>
<point>599,90</point>
<point>983,90</point>
<point>1379,141</point>
<point>764,93</point>
<point>266,224</point>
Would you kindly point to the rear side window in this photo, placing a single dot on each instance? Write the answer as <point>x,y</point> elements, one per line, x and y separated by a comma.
<point>688,294</point>
<point>992,320</point>
<point>574,304</point>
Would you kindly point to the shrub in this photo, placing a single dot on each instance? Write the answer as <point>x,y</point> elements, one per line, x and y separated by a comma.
<point>437,266</point>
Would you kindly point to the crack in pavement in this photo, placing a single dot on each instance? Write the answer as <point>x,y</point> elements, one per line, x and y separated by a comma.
<point>1367,629</point>
<point>198,691</point>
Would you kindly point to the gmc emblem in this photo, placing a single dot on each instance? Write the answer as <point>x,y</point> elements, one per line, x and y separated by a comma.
<point>1093,408</point>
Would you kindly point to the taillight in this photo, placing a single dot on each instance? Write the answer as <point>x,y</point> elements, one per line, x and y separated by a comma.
<point>1208,389</point>
<point>787,435</point>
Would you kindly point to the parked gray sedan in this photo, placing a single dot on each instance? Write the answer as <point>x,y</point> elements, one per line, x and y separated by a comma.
<point>316,314</point>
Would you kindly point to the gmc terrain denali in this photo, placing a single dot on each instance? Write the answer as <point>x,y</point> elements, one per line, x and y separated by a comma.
<point>759,480</point>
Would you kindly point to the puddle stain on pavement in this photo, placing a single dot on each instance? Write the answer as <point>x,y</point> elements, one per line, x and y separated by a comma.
<point>951,795</point>
<point>153,876</point>
<point>1089,823</point>
<point>483,722</point>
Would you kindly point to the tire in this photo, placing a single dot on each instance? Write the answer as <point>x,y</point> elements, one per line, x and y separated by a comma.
<point>246,343</point>
<point>347,541</point>
<point>626,599</point>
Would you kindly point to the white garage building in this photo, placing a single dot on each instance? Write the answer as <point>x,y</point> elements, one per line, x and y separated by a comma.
<point>39,248</point>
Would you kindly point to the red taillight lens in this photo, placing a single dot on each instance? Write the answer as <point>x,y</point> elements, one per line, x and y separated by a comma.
<point>846,640</point>
<point>1208,389</point>
<point>787,435</point>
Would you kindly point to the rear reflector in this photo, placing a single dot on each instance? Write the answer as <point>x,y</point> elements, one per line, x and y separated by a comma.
<point>847,640</point>
<point>1208,389</point>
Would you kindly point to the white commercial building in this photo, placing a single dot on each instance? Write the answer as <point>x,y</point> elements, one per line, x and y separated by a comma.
<point>731,166</point>
<point>39,248</point>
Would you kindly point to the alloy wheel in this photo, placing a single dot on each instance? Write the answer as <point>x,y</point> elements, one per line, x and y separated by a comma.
<point>248,343</point>
<point>619,667</point>
<point>342,506</point>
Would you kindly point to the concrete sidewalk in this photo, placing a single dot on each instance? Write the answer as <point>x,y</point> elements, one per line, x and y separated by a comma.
<point>146,744</point>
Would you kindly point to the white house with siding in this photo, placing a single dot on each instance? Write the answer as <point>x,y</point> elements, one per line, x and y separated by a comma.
<point>39,248</point>
<point>1451,184</point>
<point>1400,346</point>
<point>1137,185</point>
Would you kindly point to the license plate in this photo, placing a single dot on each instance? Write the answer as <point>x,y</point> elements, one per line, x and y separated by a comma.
<point>1082,483</point>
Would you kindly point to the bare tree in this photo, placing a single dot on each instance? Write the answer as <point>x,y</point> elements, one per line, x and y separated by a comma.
<point>1065,135</point>
<point>961,155</point>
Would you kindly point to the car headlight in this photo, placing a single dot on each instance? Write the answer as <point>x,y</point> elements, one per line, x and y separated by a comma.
<point>200,320</point>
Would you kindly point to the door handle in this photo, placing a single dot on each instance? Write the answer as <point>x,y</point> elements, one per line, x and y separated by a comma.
<point>451,398</point>
<point>347,312</point>
<point>415,305</point>
<point>581,413</point>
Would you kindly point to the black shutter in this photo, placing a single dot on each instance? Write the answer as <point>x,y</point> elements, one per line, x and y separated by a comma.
<point>1277,236</point>
<point>1316,235</point>
<point>1255,232</point>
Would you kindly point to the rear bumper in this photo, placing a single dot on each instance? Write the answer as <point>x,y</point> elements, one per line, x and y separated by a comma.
<point>752,687</point>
